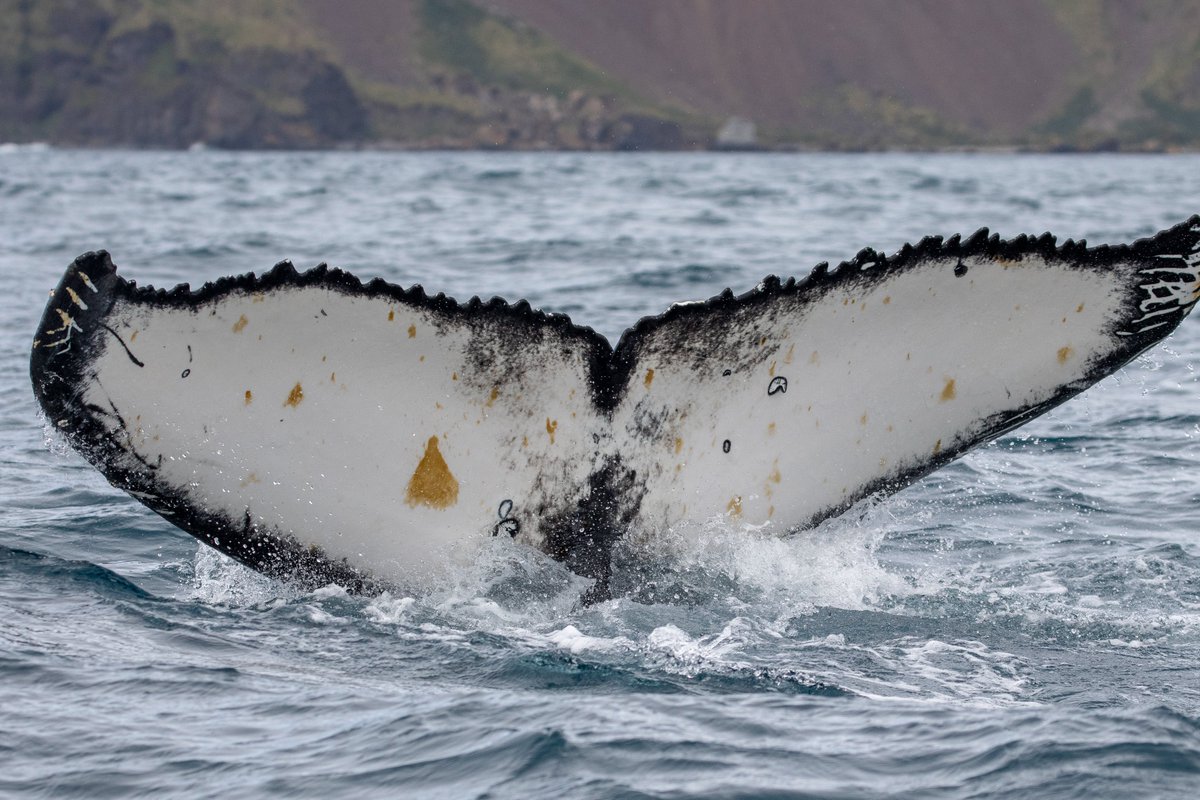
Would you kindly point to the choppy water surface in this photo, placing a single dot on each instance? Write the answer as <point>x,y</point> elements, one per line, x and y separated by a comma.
<point>1024,623</point>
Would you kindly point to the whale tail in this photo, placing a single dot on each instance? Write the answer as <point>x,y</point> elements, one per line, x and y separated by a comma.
<point>321,429</point>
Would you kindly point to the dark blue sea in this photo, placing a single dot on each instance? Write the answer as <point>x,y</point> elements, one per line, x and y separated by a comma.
<point>1022,624</point>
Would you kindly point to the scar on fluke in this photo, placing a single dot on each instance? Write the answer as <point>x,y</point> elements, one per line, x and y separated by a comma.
<point>432,484</point>
<point>76,299</point>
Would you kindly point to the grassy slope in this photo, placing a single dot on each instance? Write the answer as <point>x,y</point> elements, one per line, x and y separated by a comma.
<point>460,38</point>
<point>1128,89</point>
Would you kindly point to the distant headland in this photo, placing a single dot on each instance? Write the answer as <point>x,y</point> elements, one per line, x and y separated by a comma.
<point>617,75</point>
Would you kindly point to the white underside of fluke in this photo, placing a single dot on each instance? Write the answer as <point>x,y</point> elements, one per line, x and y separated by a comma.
<point>357,425</point>
<point>861,388</point>
<point>389,433</point>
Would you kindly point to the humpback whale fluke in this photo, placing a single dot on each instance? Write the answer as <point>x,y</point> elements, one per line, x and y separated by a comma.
<point>320,429</point>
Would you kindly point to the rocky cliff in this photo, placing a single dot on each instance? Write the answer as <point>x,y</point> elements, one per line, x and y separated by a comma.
<point>619,74</point>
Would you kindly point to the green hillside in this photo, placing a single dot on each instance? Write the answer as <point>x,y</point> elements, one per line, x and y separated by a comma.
<point>516,74</point>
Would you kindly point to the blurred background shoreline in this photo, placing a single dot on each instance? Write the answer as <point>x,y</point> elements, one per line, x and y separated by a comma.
<point>790,75</point>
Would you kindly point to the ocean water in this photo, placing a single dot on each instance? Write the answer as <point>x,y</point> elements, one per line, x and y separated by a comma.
<point>1024,623</point>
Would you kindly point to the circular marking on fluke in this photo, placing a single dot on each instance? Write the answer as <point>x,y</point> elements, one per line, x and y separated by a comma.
<point>726,445</point>
<point>507,523</point>
<point>727,373</point>
<point>432,484</point>
<point>185,373</point>
<point>778,385</point>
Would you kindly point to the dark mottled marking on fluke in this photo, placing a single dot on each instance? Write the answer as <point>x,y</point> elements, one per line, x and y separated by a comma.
<point>583,537</point>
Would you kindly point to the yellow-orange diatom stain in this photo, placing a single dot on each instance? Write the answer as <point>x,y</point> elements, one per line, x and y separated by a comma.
<point>551,427</point>
<point>241,324</point>
<point>432,484</point>
<point>1064,353</point>
<point>412,331</point>
<point>948,391</point>
<point>295,396</point>
<point>649,377</point>
<point>735,507</point>
<point>249,397</point>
